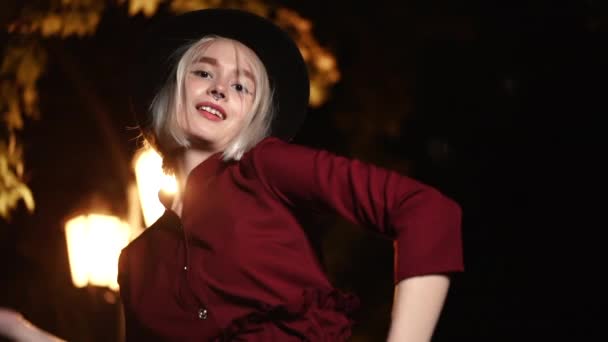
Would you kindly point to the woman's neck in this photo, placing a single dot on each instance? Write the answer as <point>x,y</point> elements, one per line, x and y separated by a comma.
<point>185,164</point>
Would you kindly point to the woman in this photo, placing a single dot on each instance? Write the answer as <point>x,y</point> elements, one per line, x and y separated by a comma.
<point>219,94</point>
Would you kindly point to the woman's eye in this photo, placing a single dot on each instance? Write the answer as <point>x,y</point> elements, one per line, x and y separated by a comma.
<point>201,73</point>
<point>240,88</point>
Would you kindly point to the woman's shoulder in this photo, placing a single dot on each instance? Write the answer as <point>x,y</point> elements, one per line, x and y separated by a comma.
<point>269,142</point>
<point>167,222</point>
<point>272,149</point>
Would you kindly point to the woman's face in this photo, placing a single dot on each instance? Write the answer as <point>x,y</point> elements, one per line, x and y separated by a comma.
<point>220,91</point>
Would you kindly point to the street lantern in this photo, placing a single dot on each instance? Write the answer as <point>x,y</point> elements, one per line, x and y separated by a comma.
<point>94,243</point>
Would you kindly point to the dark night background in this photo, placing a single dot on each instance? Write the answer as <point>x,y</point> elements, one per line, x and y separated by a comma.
<point>497,105</point>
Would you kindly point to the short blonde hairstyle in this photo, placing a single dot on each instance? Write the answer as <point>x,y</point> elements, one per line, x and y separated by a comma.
<point>168,138</point>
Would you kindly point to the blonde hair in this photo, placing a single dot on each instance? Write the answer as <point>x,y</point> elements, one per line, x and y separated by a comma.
<point>169,139</point>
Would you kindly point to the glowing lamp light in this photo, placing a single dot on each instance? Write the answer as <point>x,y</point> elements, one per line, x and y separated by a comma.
<point>150,180</point>
<point>94,244</point>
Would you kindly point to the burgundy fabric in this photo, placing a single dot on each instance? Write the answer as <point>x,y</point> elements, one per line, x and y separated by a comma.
<point>249,262</point>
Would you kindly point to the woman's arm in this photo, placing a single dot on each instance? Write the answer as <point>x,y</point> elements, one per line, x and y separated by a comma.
<point>14,326</point>
<point>416,308</point>
<point>424,223</point>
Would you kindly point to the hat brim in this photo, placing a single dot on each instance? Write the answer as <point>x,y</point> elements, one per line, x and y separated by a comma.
<point>280,55</point>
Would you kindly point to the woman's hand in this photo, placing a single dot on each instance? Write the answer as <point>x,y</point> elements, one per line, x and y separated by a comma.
<point>14,326</point>
<point>416,308</point>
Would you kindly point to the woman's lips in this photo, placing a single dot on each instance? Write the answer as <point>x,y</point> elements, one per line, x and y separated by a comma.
<point>211,111</point>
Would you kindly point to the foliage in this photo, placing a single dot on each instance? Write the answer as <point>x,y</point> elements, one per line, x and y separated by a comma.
<point>12,187</point>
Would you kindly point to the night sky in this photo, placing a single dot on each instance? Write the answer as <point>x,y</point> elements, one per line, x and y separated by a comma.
<point>498,106</point>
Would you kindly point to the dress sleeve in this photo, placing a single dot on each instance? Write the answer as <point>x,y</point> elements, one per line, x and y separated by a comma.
<point>424,223</point>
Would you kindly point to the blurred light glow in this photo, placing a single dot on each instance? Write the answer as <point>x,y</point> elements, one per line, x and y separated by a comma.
<point>168,184</point>
<point>150,180</point>
<point>321,63</point>
<point>94,244</point>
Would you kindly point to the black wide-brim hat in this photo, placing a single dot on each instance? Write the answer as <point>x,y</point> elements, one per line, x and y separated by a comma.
<point>155,59</point>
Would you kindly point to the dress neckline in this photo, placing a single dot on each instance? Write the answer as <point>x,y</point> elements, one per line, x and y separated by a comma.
<point>201,174</point>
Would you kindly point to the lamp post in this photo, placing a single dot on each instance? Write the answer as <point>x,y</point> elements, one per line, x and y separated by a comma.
<point>94,242</point>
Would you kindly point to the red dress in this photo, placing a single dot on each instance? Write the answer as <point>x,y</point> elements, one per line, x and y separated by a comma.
<point>238,265</point>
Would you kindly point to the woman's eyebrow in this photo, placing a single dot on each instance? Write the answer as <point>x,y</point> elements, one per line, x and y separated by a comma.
<point>208,60</point>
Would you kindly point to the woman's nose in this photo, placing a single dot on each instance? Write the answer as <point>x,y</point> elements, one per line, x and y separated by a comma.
<point>217,93</point>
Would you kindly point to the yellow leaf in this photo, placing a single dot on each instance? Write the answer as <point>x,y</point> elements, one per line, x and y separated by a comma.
<point>305,53</point>
<point>30,101</point>
<point>83,26</point>
<point>12,117</point>
<point>51,25</point>
<point>31,66</point>
<point>333,76</point>
<point>12,188</point>
<point>147,7</point>
<point>325,62</point>
<point>8,90</point>
<point>317,94</point>
<point>25,194</point>
<point>80,24</point>
<point>183,6</point>
<point>257,7</point>
<point>93,21</point>
<point>12,56</point>
<point>71,24</point>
